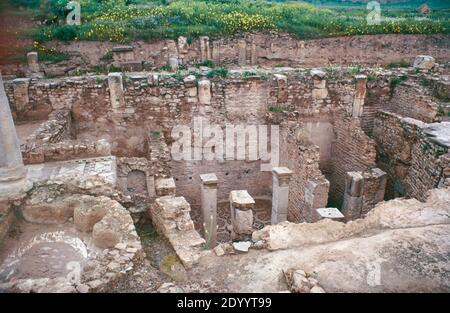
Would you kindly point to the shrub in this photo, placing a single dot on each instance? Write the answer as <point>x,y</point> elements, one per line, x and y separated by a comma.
<point>66,32</point>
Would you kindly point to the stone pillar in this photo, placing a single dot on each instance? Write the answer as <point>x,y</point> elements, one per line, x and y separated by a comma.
<point>316,196</point>
<point>204,92</point>
<point>33,63</point>
<point>241,206</point>
<point>191,87</point>
<point>320,91</point>
<point>216,52</point>
<point>254,54</point>
<point>209,208</point>
<point>116,96</point>
<point>173,62</point>
<point>21,98</point>
<point>360,94</point>
<point>12,171</point>
<point>280,194</point>
<point>282,88</point>
<point>242,52</point>
<point>353,196</point>
<point>204,48</point>
<point>165,187</point>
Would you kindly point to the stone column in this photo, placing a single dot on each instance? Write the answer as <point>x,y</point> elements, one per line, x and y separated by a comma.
<point>282,88</point>
<point>241,206</point>
<point>209,208</point>
<point>204,92</point>
<point>360,94</point>
<point>12,171</point>
<point>280,194</point>
<point>242,52</point>
<point>320,91</point>
<point>33,63</point>
<point>116,96</point>
<point>204,48</point>
<point>353,197</point>
<point>21,98</point>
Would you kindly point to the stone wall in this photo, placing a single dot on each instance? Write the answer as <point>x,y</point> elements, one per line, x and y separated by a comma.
<point>414,163</point>
<point>412,99</point>
<point>352,150</point>
<point>274,49</point>
<point>302,158</point>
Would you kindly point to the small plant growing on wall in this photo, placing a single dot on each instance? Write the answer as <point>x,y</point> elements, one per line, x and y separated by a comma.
<point>155,134</point>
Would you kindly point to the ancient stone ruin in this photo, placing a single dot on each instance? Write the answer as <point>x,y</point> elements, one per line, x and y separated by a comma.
<point>350,178</point>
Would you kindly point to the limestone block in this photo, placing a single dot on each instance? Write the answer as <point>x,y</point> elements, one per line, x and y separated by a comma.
<point>204,92</point>
<point>107,232</point>
<point>425,62</point>
<point>204,48</point>
<point>47,213</point>
<point>320,94</point>
<point>33,63</point>
<point>318,74</point>
<point>282,88</point>
<point>243,223</point>
<point>354,184</point>
<point>165,187</point>
<point>21,97</point>
<point>242,52</point>
<point>241,199</point>
<point>116,90</point>
<point>86,216</point>
<point>352,207</point>
<point>123,54</point>
<point>182,45</point>
<point>173,62</point>
<point>331,213</point>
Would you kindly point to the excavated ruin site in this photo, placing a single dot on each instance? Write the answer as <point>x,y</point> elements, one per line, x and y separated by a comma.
<point>92,198</point>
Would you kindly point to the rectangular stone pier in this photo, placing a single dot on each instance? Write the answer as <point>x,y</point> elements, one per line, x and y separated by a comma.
<point>280,194</point>
<point>209,208</point>
<point>241,206</point>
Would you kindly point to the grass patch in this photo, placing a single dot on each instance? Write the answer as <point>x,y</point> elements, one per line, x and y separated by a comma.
<point>218,72</point>
<point>129,20</point>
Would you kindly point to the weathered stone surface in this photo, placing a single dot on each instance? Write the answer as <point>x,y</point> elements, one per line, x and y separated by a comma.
<point>165,187</point>
<point>107,232</point>
<point>393,214</point>
<point>87,215</point>
<point>424,62</point>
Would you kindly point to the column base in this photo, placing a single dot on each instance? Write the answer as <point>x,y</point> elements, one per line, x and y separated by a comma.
<point>14,188</point>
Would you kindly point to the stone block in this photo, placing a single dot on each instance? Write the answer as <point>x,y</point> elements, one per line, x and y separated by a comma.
<point>107,232</point>
<point>86,216</point>
<point>241,199</point>
<point>204,92</point>
<point>243,222</point>
<point>424,62</point>
<point>165,187</point>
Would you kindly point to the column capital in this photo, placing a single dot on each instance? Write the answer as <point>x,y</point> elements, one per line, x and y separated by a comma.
<point>209,179</point>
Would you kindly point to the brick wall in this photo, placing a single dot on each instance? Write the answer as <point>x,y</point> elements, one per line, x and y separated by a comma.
<point>412,161</point>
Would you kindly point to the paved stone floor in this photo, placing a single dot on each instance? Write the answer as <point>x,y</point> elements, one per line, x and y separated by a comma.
<point>261,215</point>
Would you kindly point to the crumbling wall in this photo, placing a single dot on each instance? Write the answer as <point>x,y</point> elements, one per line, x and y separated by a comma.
<point>412,99</point>
<point>352,150</point>
<point>275,49</point>
<point>302,158</point>
<point>413,162</point>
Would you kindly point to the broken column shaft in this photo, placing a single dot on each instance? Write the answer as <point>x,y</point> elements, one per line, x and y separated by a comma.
<point>241,205</point>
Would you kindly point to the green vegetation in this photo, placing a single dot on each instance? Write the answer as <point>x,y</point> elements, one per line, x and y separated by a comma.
<point>218,72</point>
<point>276,109</point>
<point>128,20</point>
<point>395,81</point>
<point>403,63</point>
